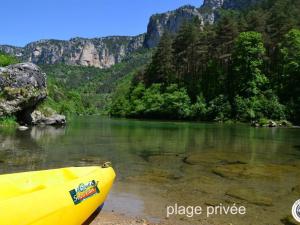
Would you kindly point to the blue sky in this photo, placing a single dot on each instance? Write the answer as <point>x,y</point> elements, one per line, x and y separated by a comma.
<point>23,21</point>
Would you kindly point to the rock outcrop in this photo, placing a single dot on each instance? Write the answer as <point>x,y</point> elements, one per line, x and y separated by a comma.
<point>169,22</point>
<point>22,86</point>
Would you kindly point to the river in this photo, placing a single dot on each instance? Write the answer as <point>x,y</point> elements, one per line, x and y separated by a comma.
<point>159,164</point>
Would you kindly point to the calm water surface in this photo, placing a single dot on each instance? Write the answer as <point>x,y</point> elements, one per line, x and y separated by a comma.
<point>163,163</point>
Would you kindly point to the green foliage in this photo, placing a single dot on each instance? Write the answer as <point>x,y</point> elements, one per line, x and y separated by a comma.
<point>290,73</point>
<point>87,90</point>
<point>219,109</point>
<point>6,59</point>
<point>247,63</point>
<point>199,109</point>
<point>244,67</point>
<point>263,122</point>
<point>187,57</point>
<point>176,102</point>
<point>8,121</point>
<point>161,70</point>
<point>257,107</point>
<point>152,102</point>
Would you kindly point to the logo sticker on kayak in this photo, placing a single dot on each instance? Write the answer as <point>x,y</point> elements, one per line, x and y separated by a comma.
<point>84,191</point>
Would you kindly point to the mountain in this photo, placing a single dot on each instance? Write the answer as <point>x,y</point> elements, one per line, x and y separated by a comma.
<point>97,52</point>
<point>107,51</point>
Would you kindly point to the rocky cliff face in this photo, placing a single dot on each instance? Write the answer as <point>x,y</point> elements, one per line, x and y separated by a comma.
<point>97,52</point>
<point>170,22</point>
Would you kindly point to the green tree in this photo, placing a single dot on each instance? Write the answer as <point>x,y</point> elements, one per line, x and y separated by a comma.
<point>176,104</point>
<point>161,69</point>
<point>247,61</point>
<point>290,72</point>
<point>186,57</point>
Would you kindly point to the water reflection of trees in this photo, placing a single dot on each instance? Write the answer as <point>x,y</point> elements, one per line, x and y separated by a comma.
<point>23,150</point>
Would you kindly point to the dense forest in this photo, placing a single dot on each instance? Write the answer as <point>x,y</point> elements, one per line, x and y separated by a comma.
<point>245,67</point>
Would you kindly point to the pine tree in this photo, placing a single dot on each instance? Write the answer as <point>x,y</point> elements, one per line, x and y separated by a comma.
<point>290,72</point>
<point>187,52</point>
<point>161,69</point>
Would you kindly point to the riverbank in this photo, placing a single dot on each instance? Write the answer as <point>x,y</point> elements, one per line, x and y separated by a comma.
<point>112,218</point>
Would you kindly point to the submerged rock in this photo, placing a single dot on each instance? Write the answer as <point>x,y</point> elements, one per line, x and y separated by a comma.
<point>250,195</point>
<point>22,86</point>
<point>267,171</point>
<point>214,157</point>
<point>272,123</point>
<point>23,128</point>
<point>289,220</point>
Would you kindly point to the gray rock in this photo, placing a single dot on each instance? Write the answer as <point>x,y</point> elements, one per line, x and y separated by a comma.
<point>272,123</point>
<point>38,118</point>
<point>22,86</point>
<point>23,128</point>
<point>250,195</point>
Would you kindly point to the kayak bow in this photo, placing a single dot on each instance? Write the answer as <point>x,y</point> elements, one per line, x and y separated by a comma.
<point>66,196</point>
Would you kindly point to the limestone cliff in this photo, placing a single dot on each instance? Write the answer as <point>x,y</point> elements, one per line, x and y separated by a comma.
<point>170,22</point>
<point>97,52</point>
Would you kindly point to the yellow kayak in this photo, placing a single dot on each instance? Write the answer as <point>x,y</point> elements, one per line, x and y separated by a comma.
<point>64,196</point>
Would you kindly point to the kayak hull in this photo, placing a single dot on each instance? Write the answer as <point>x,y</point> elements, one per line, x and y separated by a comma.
<point>60,196</point>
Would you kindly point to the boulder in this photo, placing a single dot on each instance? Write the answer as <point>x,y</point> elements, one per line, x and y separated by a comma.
<point>22,86</point>
<point>272,123</point>
<point>250,195</point>
<point>38,118</point>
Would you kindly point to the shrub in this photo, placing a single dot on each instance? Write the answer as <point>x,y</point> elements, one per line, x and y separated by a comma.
<point>219,109</point>
<point>8,121</point>
<point>261,106</point>
<point>199,109</point>
<point>176,102</point>
<point>6,59</point>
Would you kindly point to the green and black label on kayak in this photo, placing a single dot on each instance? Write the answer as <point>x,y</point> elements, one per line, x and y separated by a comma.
<point>84,191</point>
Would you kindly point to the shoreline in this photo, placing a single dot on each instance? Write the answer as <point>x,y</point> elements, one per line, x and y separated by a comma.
<point>113,218</point>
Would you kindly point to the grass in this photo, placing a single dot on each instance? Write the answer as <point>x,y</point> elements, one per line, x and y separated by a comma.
<point>8,121</point>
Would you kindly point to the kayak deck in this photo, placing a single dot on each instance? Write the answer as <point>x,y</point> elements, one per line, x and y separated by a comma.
<point>24,183</point>
<point>59,196</point>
